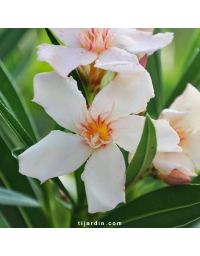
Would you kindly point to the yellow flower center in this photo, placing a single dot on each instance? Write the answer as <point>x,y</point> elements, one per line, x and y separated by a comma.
<point>95,39</point>
<point>96,133</point>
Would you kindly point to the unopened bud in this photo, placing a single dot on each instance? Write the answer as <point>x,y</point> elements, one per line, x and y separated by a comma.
<point>175,178</point>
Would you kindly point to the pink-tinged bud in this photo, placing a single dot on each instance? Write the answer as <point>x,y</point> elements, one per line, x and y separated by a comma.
<point>176,178</point>
<point>143,60</point>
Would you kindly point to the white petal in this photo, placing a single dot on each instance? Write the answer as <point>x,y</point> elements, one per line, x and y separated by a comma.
<point>65,59</point>
<point>129,93</point>
<point>176,118</point>
<point>118,60</point>
<point>138,42</point>
<point>191,146</point>
<point>60,98</point>
<point>104,178</point>
<point>166,162</point>
<point>69,36</point>
<point>167,138</point>
<point>189,101</point>
<point>127,133</point>
<point>57,154</point>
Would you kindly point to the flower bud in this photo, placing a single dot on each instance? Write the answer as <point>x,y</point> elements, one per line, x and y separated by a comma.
<point>175,178</point>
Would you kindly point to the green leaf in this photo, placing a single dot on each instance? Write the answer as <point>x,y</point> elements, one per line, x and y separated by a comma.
<point>15,219</point>
<point>145,152</point>
<point>8,197</point>
<point>163,208</point>
<point>14,102</point>
<point>15,126</point>
<point>191,75</point>
<point>74,73</point>
<point>17,151</point>
<point>155,70</point>
<point>9,39</point>
<point>13,180</point>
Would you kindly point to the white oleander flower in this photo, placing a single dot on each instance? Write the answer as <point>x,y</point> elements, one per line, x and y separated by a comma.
<point>183,116</point>
<point>98,130</point>
<point>116,50</point>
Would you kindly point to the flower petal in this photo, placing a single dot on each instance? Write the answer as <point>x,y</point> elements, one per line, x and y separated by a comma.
<point>57,154</point>
<point>167,138</point>
<point>140,42</point>
<point>127,133</point>
<point>65,59</point>
<point>118,60</point>
<point>191,146</point>
<point>166,162</point>
<point>104,178</point>
<point>60,98</point>
<point>69,36</point>
<point>189,101</point>
<point>176,118</point>
<point>127,93</point>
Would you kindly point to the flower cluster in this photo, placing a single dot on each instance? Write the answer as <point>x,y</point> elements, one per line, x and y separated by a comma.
<point>111,119</point>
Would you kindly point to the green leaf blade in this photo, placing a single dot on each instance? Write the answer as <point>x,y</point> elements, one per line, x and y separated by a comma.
<point>12,179</point>
<point>14,102</point>
<point>155,70</point>
<point>163,208</point>
<point>8,197</point>
<point>145,152</point>
<point>15,126</point>
<point>191,75</point>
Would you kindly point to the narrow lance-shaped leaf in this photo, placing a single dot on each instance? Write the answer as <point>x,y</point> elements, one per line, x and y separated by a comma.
<point>15,219</point>
<point>163,208</point>
<point>7,37</point>
<point>14,102</point>
<point>155,70</point>
<point>12,179</point>
<point>191,75</point>
<point>15,126</point>
<point>145,152</point>
<point>8,197</point>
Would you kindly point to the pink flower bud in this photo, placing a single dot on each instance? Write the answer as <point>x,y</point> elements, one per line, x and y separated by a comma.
<point>175,178</point>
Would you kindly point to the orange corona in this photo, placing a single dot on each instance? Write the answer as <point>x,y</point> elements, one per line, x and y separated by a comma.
<point>96,133</point>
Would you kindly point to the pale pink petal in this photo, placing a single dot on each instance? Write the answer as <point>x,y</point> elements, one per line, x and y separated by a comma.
<point>167,138</point>
<point>176,118</point>
<point>166,162</point>
<point>57,154</point>
<point>104,178</point>
<point>69,36</point>
<point>65,59</point>
<point>127,133</point>
<point>138,42</point>
<point>126,94</point>
<point>189,102</point>
<point>118,60</point>
<point>60,98</point>
<point>191,146</point>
